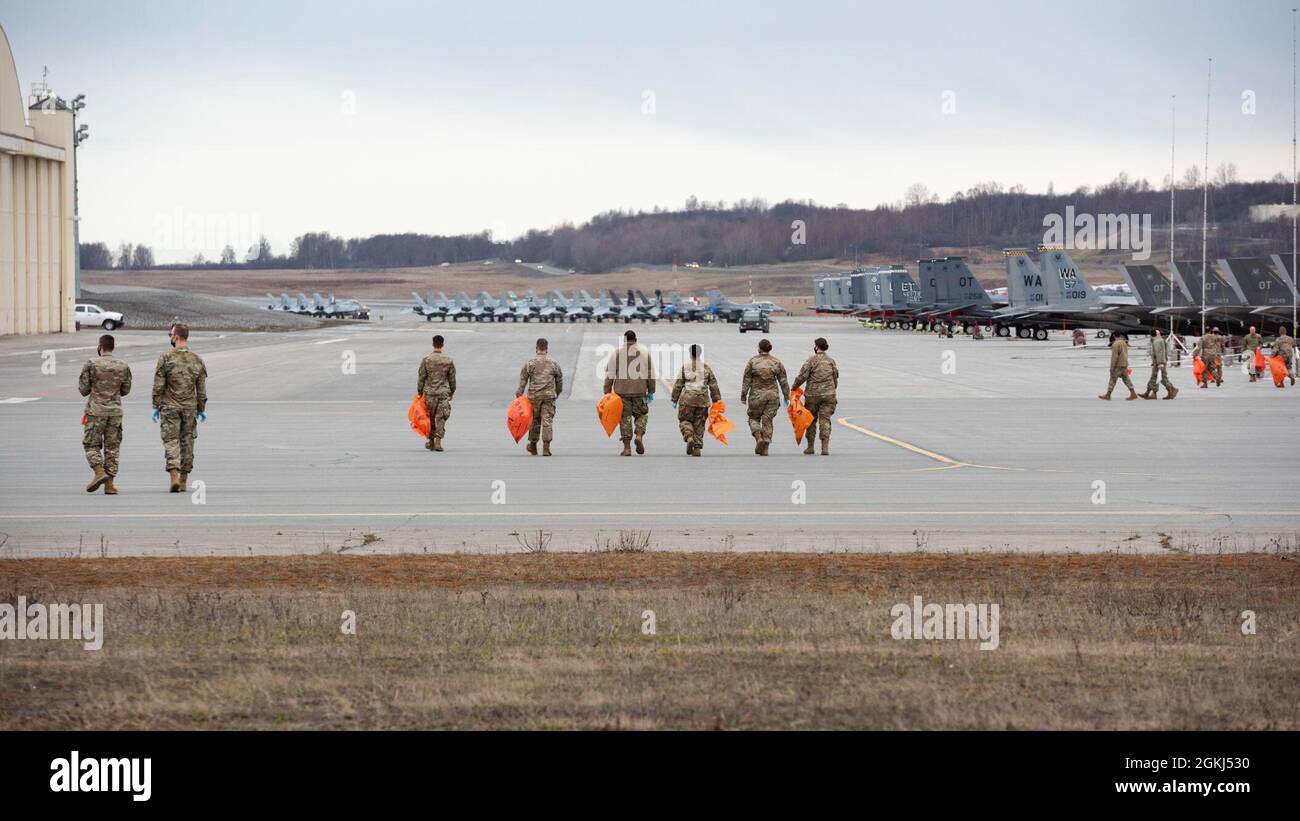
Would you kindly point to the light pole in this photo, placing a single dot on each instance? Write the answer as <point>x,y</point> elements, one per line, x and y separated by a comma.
<point>79,135</point>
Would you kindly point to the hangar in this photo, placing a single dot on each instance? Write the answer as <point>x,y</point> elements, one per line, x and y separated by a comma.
<point>37,223</point>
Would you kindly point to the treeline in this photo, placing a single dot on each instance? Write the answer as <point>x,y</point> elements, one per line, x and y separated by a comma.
<point>753,232</point>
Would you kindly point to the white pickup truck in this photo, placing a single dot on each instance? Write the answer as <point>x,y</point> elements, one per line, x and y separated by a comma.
<point>93,316</point>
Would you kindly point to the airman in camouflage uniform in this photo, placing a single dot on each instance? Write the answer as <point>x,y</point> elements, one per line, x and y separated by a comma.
<point>1159,368</point>
<point>1284,347</point>
<point>542,379</point>
<point>1210,348</point>
<point>694,392</point>
<point>631,375</point>
<point>822,377</point>
<point>105,380</point>
<point>763,389</point>
<point>180,400</point>
<point>437,383</point>
<point>1119,367</point>
<point>1252,342</point>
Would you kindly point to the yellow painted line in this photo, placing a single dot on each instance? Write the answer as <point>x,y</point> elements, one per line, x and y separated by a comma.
<point>570,514</point>
<point>929,454</point>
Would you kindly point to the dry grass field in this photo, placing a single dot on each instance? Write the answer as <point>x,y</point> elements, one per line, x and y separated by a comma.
<point>741,641</point>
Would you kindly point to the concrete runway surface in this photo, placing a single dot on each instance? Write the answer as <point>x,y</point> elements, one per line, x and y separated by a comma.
<point>300,457</point>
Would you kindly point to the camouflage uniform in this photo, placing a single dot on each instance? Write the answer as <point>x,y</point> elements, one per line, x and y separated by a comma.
<point>763,388</point>
<point>822,376</point>
<point>1159,368</point>
<point>105,380</point>
<point>1252,343</point>
<point>1119,367</point>
<point>437,382</point>
<point>1211,349</point>
<point>630,374</point>
<point>180,393</point>
<point>695,391</point>
<point>1284,347</point>
<point>543,381</point>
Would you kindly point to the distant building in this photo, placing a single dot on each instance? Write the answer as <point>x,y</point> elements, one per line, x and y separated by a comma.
<point>37,231</point>
<point>1268,213</point>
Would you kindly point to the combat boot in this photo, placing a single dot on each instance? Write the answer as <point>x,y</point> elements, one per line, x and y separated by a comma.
<point>100,478</point>
<point>532,448</point>
<point>1172,393</point>
<point>826,447</point>
<point>809,450</point>
<point>428,445</point>
<point>758,446</point>
<point>110,489</point>
<point>627,448</point>
<point>185,481</point>
<point>697,450</point>
<point>640,444</point>
<point>1105,396</point>
<point>762,448</point>
<point>690,449</point>
<point>175,486</point>
<point>1132,394</point>
<point>1149,394</point>
<point>437,444</point>
<point>546,448</point>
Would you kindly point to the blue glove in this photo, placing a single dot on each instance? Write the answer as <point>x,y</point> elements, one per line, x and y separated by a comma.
<point>674,406</point>
<point>155,415</point>
<point>650,398</point>
<point>787,403</point>
<point>203,416</point>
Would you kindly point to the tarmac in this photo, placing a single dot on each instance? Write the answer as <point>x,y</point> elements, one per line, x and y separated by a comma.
<point>943,445</point>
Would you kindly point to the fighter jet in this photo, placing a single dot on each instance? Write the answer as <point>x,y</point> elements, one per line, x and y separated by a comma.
<point>429,309</point>
<point>678,307</point>
<point>723,308</point>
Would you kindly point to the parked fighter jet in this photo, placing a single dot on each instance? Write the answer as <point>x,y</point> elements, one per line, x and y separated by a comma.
<point>723,308</point>
<point>683,309</point>
<point>429,309</point>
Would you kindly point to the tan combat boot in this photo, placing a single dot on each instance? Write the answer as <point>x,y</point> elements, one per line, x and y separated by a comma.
<point>110,489</point>
<point>1105,396</point>
<point>1132,394</point>
<point>1172,393</point>
<point>175,486</point>
<point>762,449</point>
<point>826,447</point>
<point>627,448</point>
<point>437,444</point>
<point>1148,394</point>
<point>640,444</point>
<point>532,448</point>
<point>100,477</point>
<point>546,448</point>
<point>809,450</point>
<point>428,445</point>
<point>697,450</point>
<point>758,446</point>
<point>185,482</point>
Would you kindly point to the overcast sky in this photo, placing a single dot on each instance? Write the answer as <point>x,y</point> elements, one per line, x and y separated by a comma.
<point>370,117</point>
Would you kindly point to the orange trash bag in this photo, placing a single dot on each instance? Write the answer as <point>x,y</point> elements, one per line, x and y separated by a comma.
<point>418,416</point>
<point>1198,368</point>
<point>1259,360</point>
<point>520,417</point>
<point>1277,367</point>
<point>719,425</point>
<point>610,411</point>
<point>800,417</point>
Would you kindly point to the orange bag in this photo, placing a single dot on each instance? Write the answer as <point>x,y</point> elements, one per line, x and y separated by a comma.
<point>418,416</point>
<point>1277,366</point>
<point>719,426</point>
<point>800,416</point>
<point>1198,368</point>
<point>1259,360</point>
<point>520,417</point>
<point>610,411</point>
